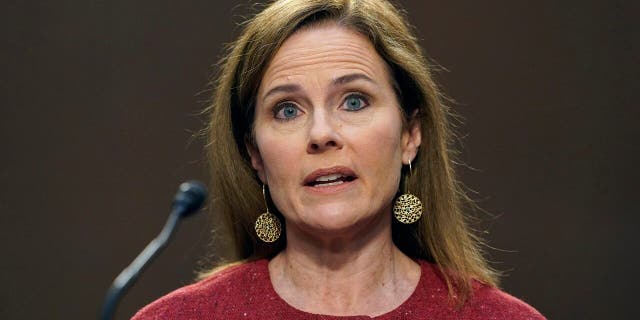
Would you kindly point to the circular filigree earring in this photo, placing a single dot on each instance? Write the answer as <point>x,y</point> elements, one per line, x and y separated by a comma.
<point>267,225</point>
<point>407,208</point>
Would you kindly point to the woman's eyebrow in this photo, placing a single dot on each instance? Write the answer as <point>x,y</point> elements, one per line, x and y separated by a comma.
<point>286,88</point>
<point>350,78</point>
<point>342,80</point>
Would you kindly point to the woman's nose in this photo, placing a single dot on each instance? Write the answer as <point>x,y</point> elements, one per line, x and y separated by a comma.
<point>323,134</point>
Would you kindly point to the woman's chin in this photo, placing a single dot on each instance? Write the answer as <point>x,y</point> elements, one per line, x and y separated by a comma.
<point>337,223</point>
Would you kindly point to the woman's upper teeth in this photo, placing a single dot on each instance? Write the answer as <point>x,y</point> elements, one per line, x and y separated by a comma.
<point>330,177</point>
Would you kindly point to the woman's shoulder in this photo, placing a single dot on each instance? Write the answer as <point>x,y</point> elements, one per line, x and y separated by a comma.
<point>485,302</point>
<point>493,303</point>
<point>205,297</point>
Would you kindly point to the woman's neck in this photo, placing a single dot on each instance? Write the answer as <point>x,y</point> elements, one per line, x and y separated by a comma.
<point>363,273</point>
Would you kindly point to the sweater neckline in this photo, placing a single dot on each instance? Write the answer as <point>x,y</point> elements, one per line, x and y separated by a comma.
<point>263,266</point>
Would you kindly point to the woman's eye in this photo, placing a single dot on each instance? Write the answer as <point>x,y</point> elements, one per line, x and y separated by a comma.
<point>286,111</point>
<point>355,102</point>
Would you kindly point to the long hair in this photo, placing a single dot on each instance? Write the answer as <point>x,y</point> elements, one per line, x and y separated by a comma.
<point>442,235</point>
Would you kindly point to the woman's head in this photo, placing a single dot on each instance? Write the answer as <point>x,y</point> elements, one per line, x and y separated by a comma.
<point>328,134</point>
<point>243,129</point>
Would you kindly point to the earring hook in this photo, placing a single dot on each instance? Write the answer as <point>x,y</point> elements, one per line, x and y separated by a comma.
<point>264,197</point>
<point>409,176</point>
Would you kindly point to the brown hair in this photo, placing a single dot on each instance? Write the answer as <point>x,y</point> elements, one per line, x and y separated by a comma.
<point>442,236</point>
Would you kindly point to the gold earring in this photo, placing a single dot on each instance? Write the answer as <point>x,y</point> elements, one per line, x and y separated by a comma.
<point>267,226</point>
<point>407,208</point>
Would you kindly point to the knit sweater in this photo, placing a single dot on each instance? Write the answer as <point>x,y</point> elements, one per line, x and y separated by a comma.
<point>245,292</point>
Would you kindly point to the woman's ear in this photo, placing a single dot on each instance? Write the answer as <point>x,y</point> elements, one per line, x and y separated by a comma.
<point>256,159</point>
<point>411,138</point>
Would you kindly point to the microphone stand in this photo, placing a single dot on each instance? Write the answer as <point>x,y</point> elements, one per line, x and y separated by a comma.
<point>187,201</point>
<point>130,274</point>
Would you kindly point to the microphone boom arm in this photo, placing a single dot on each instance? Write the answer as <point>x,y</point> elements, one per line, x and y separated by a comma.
<point>187,201</point>
<point>130,274</point>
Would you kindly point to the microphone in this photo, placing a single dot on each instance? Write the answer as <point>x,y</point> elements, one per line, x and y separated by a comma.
<point>187,201</point>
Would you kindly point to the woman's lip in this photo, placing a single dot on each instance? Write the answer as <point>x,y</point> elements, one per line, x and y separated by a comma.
<point>329,189</point>
<point>345,171</point>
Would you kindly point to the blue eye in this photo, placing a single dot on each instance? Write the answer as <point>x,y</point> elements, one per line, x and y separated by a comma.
<point>355,102</point>
<point>286,111</point>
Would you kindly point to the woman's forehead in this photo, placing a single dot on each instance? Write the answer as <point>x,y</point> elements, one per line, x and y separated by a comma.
<point>328,49</point>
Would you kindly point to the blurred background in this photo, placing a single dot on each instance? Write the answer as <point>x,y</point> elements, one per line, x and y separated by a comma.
<point>101,101</point>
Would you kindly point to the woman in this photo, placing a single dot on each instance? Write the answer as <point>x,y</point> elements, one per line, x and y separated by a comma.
<point>330,155</point>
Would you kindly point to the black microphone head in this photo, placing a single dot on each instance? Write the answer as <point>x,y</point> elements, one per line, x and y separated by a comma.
<point>190,198</point>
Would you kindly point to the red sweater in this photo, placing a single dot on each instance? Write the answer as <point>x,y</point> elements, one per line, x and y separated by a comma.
<point>245,292</point>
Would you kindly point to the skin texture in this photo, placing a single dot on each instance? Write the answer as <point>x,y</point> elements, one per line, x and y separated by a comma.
<point>326,101</point>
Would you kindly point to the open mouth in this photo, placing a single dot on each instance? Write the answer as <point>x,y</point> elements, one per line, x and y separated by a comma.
<point>330,180</point>
<point>330,177</point>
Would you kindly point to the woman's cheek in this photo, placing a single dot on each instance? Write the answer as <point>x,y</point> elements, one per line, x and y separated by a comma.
<point>281,157</point>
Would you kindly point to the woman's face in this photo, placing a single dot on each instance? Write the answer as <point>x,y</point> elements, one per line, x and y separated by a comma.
<point>329,136</point>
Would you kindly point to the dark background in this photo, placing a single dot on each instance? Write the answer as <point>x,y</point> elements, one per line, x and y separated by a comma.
<point>100,101</point>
